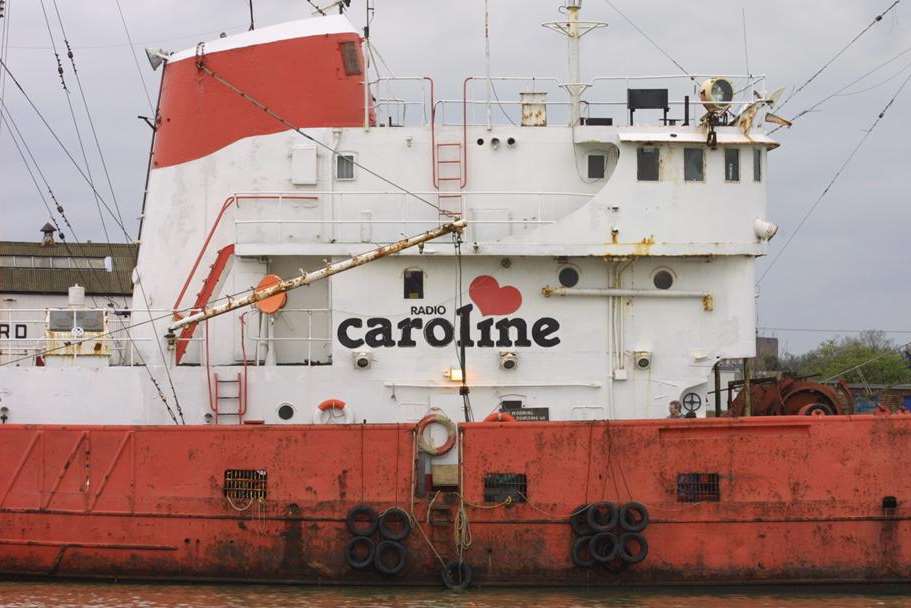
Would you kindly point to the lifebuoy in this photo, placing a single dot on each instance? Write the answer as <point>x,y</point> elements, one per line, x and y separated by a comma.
<point>333,411</point>
<point>499,417</point>
<point>425,444</point>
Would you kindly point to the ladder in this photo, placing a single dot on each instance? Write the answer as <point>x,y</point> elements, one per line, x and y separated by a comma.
<point>449,177</point>
<point>236,392</point>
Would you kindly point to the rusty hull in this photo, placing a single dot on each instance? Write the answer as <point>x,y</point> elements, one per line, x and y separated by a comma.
<point>800,500</point>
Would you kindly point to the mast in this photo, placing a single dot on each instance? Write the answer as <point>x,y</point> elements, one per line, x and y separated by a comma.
<point>574,29</point>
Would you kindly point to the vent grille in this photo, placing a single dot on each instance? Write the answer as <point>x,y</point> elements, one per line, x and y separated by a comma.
<point>501,486</point>
<point>245,484</point>
<point>698,487</point>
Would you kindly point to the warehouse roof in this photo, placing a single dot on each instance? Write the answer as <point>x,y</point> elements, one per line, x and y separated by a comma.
<point>102,268</point>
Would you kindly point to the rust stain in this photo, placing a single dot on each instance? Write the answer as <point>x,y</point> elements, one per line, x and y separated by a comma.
<point>644,246</point>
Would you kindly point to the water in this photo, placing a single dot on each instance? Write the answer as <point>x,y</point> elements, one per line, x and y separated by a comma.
<point>108,595</point>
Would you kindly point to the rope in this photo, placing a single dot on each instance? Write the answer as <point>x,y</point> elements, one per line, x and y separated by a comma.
<point>834,179</point>
<point>822,69</point>
<point>200,64</point>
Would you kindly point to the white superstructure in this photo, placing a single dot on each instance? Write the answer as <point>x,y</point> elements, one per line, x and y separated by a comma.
<point>605,270</point>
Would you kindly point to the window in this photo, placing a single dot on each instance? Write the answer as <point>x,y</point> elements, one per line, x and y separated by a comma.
<point>414,284</point>
<point>90,320</point>
<point>568,276</point>
<point>663,279</point>
<point>757,165</point>
<point>698,487</point>
<point>732,164</point>
<point>60,320</point>
<point>648,160</point>
<point>351,60</point>
<point>693,164</point>
<point>597,165</point>
<point>498,487</point>
<point>344,166</point>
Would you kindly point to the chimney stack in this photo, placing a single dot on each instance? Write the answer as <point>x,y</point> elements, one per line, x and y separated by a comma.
<point>48,231</point>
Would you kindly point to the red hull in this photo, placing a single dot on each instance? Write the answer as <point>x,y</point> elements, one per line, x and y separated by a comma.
<point>799,499</point>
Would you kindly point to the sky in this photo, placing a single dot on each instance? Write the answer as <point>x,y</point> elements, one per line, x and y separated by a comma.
<point>846,269</point>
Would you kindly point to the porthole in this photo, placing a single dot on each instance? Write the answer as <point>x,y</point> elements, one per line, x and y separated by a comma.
<point>480,141</point>
<point>286,411</point>
<point>568,276</point>
<point>663,279</point>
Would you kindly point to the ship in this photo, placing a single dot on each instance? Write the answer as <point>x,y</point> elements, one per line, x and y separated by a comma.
<point>380,338</point>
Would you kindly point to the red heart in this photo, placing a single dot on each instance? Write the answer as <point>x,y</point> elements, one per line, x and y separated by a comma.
<point>493,299</point>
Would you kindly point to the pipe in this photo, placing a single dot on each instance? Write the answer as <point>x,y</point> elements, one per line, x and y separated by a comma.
<point>623,293</point>
<point>324,272</point>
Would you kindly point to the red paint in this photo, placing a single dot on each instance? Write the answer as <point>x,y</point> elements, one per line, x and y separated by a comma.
<point>302,80</point>
<point>801,500</point>
<point>492,299</point>
<point>213,279</point>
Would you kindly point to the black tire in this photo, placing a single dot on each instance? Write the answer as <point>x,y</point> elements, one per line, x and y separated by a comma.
<point>633,538</point>
<point>388,521</point>
<point>361,520</point>
<point>602,516</point>
<point>581,554</point>
<point>578,521</point>
<point>386,548</point>
<point>604,547</point>
<point>457,576</point>
<point>633,517</point>
<point>351,552</point>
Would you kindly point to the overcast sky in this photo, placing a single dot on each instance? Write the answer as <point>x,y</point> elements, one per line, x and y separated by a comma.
<point>848,267</point>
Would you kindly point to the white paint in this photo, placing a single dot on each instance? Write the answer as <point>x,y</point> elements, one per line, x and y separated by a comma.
<point>303,28</point>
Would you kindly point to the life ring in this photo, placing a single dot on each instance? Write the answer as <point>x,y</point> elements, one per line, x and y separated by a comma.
<point>425,444</point>
<point>499,417</point>
<point>333,411</point>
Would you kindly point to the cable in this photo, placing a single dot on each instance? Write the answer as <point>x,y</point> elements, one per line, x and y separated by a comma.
<point>14,129</point>
<point>62,146</point>
<point>868,361</point>
<point>831,183</point>
<point>142,79</point>
<point>653,43</point>
<point>201,66</point>
<point>4,47</point>
<point>835,57</point>
<point>844,88</point>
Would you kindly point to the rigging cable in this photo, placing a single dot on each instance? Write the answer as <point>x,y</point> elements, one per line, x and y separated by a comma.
<point>113,216</point>
<point>835,57</point>
<point>838,173</point>
<point>652,42</point>
<point>841,91</point>
<point>72,59</point>
<point>142,79</point>
<point>218,78</point>
<point>5,11</point>
<point>5,118</point>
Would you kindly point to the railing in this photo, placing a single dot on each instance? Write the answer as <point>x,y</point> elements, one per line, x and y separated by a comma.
<point>122,346</point>
<point>520,210</point>
<point>500,106</point>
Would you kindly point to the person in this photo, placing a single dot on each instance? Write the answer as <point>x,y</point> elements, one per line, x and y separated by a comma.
<point>675,409</point>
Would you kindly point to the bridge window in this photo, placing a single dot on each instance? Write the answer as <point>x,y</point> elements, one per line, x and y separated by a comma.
<point>732,164</point>
<point>344,167</point>
<point>693,164</point>
<point>648,160</point>
<point>597,166</point>
<point>757,165</point>
<point>414,284</point>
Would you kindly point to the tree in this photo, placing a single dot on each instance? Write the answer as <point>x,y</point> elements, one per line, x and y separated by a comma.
<point>869,357</point>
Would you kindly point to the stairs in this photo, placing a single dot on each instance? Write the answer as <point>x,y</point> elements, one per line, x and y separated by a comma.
<point>449,177</point>
<point>227,391</point>
<point>209,285</point>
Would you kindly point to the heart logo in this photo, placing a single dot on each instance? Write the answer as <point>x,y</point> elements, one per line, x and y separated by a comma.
<point>492,299</point>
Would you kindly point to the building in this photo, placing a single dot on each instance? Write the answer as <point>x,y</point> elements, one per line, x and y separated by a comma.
<point>36,277</point>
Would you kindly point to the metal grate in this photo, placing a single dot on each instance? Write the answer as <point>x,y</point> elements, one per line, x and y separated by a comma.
<point>501,486</point>
<point>698,487</point>
<point>245,484</point>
